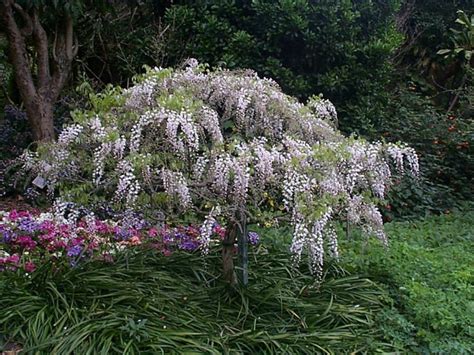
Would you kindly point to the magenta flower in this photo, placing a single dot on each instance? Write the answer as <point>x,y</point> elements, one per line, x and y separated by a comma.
<point>13,259</point>
<point>30,266</point>
<point>47,226</point>
<point>26,242</point>
<point>13,215</point>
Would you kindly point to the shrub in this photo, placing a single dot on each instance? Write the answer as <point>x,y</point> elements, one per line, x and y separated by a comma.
<point>219,145</point>
<point>444,143</point>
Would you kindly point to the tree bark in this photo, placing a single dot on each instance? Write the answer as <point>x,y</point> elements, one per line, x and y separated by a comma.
<point>40,115</point>
<point>228,248</point>
<point>39,98</point>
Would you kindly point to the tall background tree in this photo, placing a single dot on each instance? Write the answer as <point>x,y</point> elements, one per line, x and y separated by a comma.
<point>41,60</point>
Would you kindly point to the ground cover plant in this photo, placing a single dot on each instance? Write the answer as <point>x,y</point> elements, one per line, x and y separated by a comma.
<point>148,302</point>
<point>428,273</point>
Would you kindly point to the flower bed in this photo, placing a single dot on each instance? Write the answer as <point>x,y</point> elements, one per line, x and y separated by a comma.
<point>29,239</point>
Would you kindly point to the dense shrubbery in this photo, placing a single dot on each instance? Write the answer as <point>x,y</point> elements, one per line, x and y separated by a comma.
<point>339,48</point>
<point>445,144</point>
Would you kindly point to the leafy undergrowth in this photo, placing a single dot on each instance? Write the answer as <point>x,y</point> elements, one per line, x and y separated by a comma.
<point>147,303</point>
<point>428,271</point>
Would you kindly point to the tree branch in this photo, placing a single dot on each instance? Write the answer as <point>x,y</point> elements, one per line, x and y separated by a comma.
<point>18,53</point>
<point>28,29</point>
<point>41,45</point>
<point>64,50</point>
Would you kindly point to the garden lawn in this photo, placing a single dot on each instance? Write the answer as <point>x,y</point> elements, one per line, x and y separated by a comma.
<point>428,271</point>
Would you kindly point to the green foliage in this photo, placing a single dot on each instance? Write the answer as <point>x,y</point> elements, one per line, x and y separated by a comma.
<point>444,143</point>
<point>435,55</point>
<point>428,271</point>
<point>426,25</point>
<point>146,303</point>
<point>463,40</point>
<point>338,48</point>
<point>116,44</point>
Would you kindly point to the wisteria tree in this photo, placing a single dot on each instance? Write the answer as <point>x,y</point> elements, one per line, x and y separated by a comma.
<point>217,146</point>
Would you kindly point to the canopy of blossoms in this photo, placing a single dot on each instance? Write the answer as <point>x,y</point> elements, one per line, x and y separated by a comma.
<point>211,144</point>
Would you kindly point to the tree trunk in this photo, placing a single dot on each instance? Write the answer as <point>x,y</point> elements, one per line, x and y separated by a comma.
<point>38,95</point>
<point>228,248</point>
<point>40,116</point>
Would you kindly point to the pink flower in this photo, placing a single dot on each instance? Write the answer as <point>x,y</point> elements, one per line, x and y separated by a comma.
<point>77,241</point>
<point>13,259</point>
<point>47,226</point>
<point>153,232</point>
<point>30,266</point>
<point>58,244</point>
<point>13,215</point>
<point>102,227</point>
<point>219,231</point>
<point>94,244</point>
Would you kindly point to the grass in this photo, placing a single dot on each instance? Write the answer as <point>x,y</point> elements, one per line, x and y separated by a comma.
<point>428,272</point>
<point>146,303</point>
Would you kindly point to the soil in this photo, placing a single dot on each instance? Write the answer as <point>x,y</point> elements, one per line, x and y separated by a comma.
<point>15,203</point>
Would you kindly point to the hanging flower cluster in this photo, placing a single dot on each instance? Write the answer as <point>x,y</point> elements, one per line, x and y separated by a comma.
<point>28,240</point>
<point>214,143</point>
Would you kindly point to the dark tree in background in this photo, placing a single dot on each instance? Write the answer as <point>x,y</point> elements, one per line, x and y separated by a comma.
<point>42,61</point>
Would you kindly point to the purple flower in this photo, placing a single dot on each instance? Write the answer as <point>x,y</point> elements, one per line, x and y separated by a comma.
<point>253,238</point>
<point>28,225</point>
<point>74,251</point>
<point>6,235</point>
<point>123,233</point>
<point>168,238</point>
<point>188,245</point>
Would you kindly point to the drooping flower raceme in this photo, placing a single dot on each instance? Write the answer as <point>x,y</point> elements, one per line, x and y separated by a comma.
<point>191,140</point>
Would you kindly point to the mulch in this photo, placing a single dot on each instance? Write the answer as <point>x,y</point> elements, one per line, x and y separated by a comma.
<point>15,203</point>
